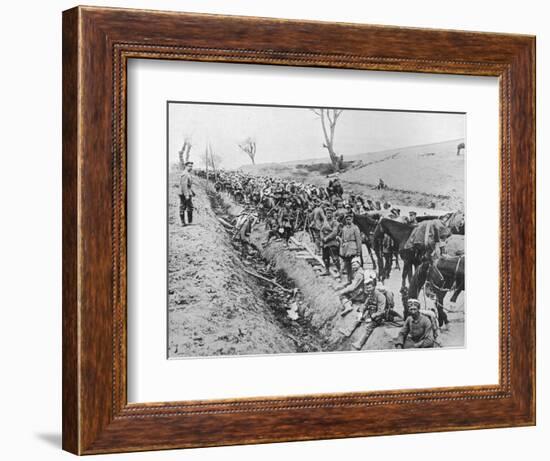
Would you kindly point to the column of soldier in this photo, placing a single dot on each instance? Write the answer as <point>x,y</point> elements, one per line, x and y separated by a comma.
<point>290,206</point>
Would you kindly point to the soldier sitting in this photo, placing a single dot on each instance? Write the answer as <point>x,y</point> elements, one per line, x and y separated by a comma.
<point>354,291</point>
<point>372,312</point>
<point>418,326</point>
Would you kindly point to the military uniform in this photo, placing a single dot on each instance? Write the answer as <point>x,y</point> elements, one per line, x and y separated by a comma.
<point>375,310</point>
<point>317,220</point>
<point>329,232</point>
<point>350,246</point>
<point>355,290</point>
<point>421,332</point>
<point>285,220</point>
<point>186,197</point>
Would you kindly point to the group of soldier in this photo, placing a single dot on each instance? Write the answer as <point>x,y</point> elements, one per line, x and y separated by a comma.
<point>289,206</point>
<point>373,304</point>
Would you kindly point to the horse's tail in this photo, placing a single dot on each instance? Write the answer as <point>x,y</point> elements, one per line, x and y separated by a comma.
<point>418,280</point>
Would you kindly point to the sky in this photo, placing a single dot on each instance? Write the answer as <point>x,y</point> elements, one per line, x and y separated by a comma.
<point>286,134</point>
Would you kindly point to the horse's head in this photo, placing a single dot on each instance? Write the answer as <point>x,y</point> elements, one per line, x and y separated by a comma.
<point>365,223</point>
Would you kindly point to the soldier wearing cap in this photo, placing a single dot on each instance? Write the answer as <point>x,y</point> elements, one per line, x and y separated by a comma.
<point>350,246</point>
<point>412,218</point>
<point>340,212</point>
<point>354,291</point>
<point>317,220</point>
<point>329,239</point>
<point>418,326</point>
<point>374,312</point>
<point>186,194</point>
<point>284,221</point>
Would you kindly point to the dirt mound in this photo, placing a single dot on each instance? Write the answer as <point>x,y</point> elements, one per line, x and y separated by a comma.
<point>214,306</point>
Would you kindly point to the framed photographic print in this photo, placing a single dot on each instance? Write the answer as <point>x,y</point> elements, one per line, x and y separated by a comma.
<point>284,230</point>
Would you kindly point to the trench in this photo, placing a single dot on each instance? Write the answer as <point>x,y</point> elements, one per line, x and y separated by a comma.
<point>287,305</point>
<point>319,324</point>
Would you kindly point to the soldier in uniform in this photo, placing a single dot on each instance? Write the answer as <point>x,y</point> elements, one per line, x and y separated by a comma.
<point>354,291</point>
<point>418,326</point>
<point>412,218</point>
<point>186,194</point>
<point>373,314</point>
<point>284,221</point>
<point>317,220</point>
<point>350,246</point>
<point>329,234</point>
<point>340,213</point>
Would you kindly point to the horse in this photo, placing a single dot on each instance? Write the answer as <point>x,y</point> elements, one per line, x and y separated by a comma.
<point>441,276</point>
<point>400,233</point>
<point>366,224</point>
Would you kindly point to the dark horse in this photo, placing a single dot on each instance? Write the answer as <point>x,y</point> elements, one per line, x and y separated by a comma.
<point>441,276</point>
<point>400,233</point>
<point>366,224</point>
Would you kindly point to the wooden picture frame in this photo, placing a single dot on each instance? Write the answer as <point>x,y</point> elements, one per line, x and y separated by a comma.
<point>97,43</point>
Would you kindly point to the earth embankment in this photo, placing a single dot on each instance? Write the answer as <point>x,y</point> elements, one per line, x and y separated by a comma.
<point>214,306</point>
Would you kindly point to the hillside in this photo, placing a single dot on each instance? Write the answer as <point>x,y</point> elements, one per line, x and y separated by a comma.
<point>430,175</point>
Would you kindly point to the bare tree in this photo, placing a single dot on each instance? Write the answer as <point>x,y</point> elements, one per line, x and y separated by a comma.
<point>329,117</point>
<point>249,146</point>
<point>185,151</point>
<point>215,160</point>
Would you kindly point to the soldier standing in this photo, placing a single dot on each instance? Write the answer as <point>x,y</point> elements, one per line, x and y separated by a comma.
<point>350,246</point>
<point>317,220</point>
<point>186,194</point>
<point>329,234</point>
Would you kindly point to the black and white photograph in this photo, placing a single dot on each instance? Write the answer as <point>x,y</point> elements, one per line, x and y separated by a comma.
<point>314,229</point>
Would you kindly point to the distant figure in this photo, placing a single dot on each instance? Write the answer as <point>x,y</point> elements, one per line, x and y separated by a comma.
<point>381,184</point>
<point>460,147</point>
